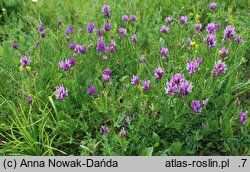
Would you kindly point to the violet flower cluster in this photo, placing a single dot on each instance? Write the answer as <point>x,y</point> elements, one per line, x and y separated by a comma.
<point>169,20</point>
<point>101,47</point>
<point>122,31</point>
<point>106,75</point>
<point>15,46</point>
<point>198,28</point>
<point>106,11</point>
<point>134,80</point>
<point>146,85</point>
<point>219,68</point>
<point>193,66</point>
<point>213,5</point>
<point>80,49</point>
<point>90,27</point>
<point>28,98</point>
<point>164,29</point>
<point>159,73</point>
<point>69,30</point>
<point>178,84</point>
<point>183,20</point>
<point>92,91</point>
<point>210,41</point>
<point>229,33</point>
<point>164,51</point>
<point>223,52</point>
<point>197,106</point>
<point>61,92</point>
<point>25,61</point>
<point>243,117</point>
<point>67,63</point>
<point>104,130</point>
<point>42,31</point>
<point>125,18</point>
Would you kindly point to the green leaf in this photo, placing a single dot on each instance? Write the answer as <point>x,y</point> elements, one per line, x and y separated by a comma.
<point>147,151</point>
<point>176,148</point>
<point>156,138</point>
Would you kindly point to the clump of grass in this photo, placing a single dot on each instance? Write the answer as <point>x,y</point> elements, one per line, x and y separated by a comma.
<point>116,78</point>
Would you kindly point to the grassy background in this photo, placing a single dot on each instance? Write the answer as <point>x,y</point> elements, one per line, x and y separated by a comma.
<point>162,125</point>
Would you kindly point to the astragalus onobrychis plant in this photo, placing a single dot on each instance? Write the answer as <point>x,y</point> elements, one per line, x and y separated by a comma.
<point>124,78</point>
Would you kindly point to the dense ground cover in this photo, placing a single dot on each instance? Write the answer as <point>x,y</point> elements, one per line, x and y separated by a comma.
<point>124,77</point>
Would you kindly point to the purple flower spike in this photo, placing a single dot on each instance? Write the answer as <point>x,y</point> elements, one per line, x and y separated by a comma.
<point>104,130</point>
<point>41,28</point>
<point>195,105</point>
<point>105,78</point>
<point>159,73</point>
<point>25,61</point>
<point>105,57</point>
<point>72,46</point>
<point>170,88</point>
<point>92,91</point>
<point>183,20</point>
<point>198,28</point>
<point>169,20</point>
<point>61,92</point>
<point>100,46</point>
<point>204,102</point>
<point>59,22</point>
<point>90,27</point>
<point>15,46</point>
<point>112,49</point>
<point>107,71</point>
<point>210,40</point>
<point>185,87</point>
<point>125,18</point>
<point>80,49</point>
<point>29,99</point>
<point>178,78</point>
<point>72,62</point>
<point>217,26</point>
<point>43,34</point>
<point>134,38</point>
<point>213,5</point>
<point>112,43</point>
<point>143,59</point>
<point>134,80</point>
<point>178,84</point>
<point>223,52</point>
<point>100,32</point>
<point>193,66</point>
<point>64,64</point>
<point>164,29</point>
<point>122,133</point>
<point>122,31</point>
<point>238,39</point>
<point>107,27</point>
<point>219,68</point>
<point>210,28</point>
<point>132,18</point>
<point>146,85</point>
<point>243,117</point>
<point>164,52</point>
<point>106,11</point>
<point>127,121</point>
<point>69,30</point>
<point>229,33</point>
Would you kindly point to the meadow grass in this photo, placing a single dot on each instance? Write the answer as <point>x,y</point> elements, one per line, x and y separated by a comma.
<point>156,123</point>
